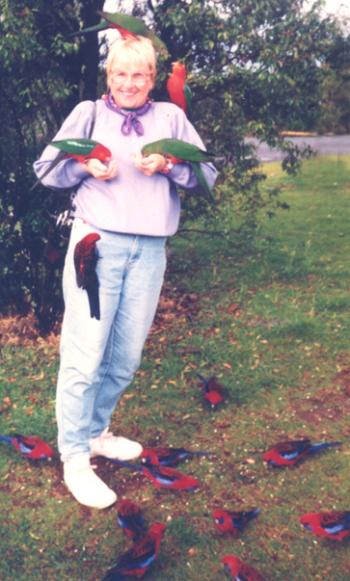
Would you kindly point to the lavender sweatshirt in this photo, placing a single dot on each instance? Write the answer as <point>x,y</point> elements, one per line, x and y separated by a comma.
<point>131,202</point>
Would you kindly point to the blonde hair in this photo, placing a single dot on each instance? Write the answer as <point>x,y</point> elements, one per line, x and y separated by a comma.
<point>139,51</point>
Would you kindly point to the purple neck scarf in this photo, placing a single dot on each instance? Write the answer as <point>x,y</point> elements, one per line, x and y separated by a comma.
<point>131,120</point>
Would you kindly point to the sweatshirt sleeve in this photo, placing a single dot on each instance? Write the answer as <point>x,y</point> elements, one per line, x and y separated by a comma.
<point>68,172</point>
<point>182,174</point>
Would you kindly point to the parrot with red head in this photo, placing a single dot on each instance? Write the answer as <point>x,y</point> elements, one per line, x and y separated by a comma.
<point>79,149</point>
<point>162,476</point>
<point>128,27</point>
<point>239,570</point>
<point>166,456</point>
<point>131,519</point>
<point>228,521</point>
<point>31,447</point>
<point>137,561</point>
<point>213,392</point>
<point>85,261</point>
<point>290,452</point>
<point>178,151</point>
<point>333,525</point>
<point>178,90</point>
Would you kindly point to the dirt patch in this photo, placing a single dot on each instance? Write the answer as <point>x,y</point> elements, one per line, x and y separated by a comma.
<point>328,405</point>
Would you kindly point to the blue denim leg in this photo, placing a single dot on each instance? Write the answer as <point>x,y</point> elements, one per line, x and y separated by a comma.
<point>99,358</point>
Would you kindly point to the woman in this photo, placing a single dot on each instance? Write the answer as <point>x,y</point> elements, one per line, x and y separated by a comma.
<point>132,204</point>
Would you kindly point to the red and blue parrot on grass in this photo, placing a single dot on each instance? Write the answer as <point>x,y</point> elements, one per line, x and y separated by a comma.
<point>333,524</point>
<point>31,447</point>
<point>234,522</point>
<point>291,452</point>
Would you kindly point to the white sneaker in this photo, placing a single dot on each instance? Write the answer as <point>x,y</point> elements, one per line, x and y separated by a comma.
<point>114,447</point>
<point>86,487</point>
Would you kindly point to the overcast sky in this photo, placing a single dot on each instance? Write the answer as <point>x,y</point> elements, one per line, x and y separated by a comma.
<point>340,7</point>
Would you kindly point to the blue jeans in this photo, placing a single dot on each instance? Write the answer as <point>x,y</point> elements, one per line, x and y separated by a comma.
<point>98,358</point>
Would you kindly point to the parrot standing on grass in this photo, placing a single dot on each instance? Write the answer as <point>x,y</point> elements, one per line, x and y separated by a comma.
<point>333,525</point>
<point>137,560</point>
<point>178,90</point>
<point>291,452</point>
<point>31,447</point>
<point>79,149</point>
<point>162,476</point>
<point>213,391</point>
<point>127,26</point>
<point>227,521</point>
<point>167,456</point>
<point>178,151</point>
<point>85,260</point>
<point>131,519</point>
<point>239,570</point>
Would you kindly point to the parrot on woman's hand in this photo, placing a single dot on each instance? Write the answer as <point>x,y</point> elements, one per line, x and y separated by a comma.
<point>228,521</point>
<point>333,525</point>
<point>85,261</point>
<point>178,90</point>
<point>162,476</point>
<point>291,452</point>
<point>31,447</point>
<point>239,570</point>
<point>142,555</point>
<point>128,27</point>
<point>178,151</point>
<point>131,519</point>
<point>79,149</point>
<point>213,392</point>
<point>167,456</point>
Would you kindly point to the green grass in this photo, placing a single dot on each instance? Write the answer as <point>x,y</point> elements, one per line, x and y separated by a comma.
<point>273,325</point>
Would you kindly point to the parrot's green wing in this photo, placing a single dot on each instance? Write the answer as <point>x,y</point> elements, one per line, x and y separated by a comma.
<point>136,26</point>
<point>177,148</point>
<point>188,97</point>
<point>75,146</point>
<point>102,25</point>
<point>202,182</point>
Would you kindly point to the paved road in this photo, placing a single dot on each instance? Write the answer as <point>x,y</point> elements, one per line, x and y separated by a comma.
<point>325,145</point>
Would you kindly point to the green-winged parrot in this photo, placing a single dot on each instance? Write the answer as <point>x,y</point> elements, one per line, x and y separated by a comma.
<point>179,151</point>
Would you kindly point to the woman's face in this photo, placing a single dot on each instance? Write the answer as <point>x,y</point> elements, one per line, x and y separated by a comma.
<point>130,84</point>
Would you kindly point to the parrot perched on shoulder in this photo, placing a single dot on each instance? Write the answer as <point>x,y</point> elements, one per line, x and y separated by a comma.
<point>228,521</point>
<point>167,456</point>
<point>138,560</point>
<point>213,391</point>
<point>178,90</point>
<point>333,525</point>
<point>127,26</point>
<point>162,476</point>
<point>31,447</point>
<point>178,151</point>
<point>85,261</point>
<point>291,452</point>
<point>239,570</point>
<point>79,149</point>
<point>131,519</point>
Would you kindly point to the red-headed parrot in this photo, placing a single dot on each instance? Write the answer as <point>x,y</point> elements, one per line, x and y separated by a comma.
<point>79,149</point>
<point>162,476</point>
<point>127,26</point>
<point>142,555</point>
<point>240,570</point>
<point>178,90</point>
<point>131,519</point>
<point>213,392</point>
<point>234,522</point>
<point>166,456</point>
<point>31,447</point>
<point>333,524</point>
<point>291,452</point>
<point>178,151</point>
<point>85,261</point>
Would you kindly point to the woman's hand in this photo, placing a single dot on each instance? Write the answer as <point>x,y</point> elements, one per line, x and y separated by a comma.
<point>99,170</point>
<point>150,164</point>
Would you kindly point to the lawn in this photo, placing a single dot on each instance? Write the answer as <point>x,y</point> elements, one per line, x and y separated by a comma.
<point>273,325</point>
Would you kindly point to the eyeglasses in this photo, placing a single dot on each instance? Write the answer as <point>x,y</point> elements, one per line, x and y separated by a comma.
<point>137,79</point>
